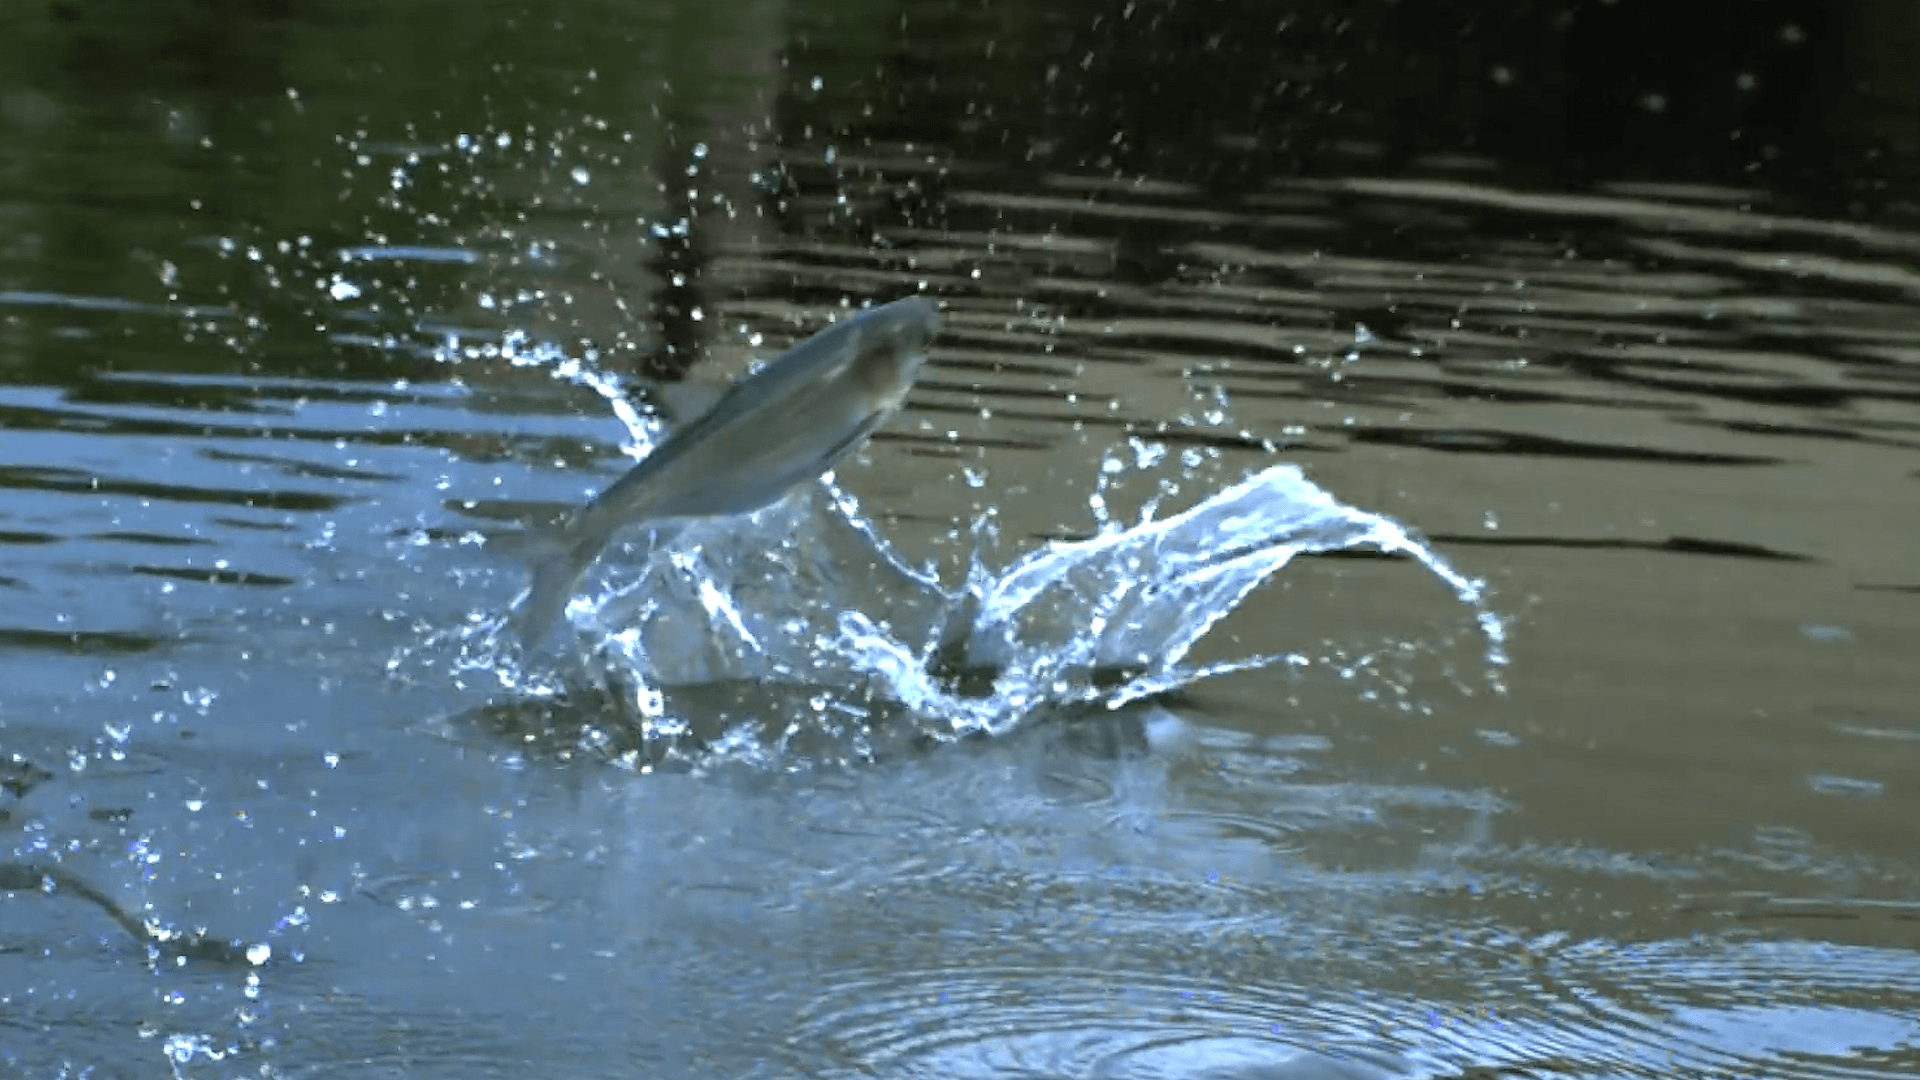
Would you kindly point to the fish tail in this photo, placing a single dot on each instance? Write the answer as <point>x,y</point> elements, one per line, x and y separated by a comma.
<point>555,573</point>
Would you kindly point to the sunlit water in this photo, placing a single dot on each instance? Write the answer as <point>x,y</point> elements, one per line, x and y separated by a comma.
<point>1393,620</point>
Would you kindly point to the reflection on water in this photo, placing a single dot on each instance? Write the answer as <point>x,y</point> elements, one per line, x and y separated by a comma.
<point>1257,323</point>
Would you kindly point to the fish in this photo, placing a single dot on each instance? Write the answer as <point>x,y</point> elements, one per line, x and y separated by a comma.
<point>780,426</point>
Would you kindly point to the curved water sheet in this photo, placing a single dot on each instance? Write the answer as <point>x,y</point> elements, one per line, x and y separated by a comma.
<point>809,622</point>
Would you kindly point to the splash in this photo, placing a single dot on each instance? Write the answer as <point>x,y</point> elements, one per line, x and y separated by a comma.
<point>820,629</point>
<point>1137,600</point>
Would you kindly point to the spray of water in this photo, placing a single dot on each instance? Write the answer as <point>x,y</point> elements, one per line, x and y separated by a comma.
<point>810,596</point>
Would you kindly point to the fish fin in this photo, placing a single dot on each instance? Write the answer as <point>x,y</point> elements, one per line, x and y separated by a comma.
<point>557,563</point>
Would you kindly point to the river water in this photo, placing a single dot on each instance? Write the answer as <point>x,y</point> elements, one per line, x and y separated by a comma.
<point>1402,563</point>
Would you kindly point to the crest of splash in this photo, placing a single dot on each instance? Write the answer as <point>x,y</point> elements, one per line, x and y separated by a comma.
<point>810,593</point>
<point>1138,599</point>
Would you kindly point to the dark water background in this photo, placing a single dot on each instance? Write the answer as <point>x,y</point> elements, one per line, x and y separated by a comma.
<point>1613,302</point>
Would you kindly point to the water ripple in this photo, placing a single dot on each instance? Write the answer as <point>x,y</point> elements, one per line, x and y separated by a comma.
<point>1701,1008</point>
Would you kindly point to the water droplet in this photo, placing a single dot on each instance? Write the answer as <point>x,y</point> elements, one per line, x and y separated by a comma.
<point>1145,454</point>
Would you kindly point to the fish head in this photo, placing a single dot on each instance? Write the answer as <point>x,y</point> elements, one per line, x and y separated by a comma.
<point>891,347</point>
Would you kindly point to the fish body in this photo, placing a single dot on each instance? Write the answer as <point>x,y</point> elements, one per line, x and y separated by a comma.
<point>774,429</point>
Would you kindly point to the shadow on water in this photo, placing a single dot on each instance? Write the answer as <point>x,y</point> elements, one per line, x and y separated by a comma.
<point>1104,718</point>
<point>163,945</point>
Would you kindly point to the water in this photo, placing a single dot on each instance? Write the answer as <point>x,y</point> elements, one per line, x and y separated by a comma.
<point>1401,564</point>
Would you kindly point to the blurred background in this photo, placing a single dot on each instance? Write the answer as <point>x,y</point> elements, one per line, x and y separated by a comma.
<point>1608,304</point>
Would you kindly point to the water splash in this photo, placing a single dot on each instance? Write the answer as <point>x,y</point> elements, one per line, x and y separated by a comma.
<point>1139,599</point>
<point>822,627</point>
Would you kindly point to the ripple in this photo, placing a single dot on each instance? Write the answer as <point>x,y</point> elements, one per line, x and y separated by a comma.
<point>215,576</point>
<point>1702,1008</point>
<point>1832,1010</point>
<point>403,253</point>
<point>1673,545</point>
<point>83,642</point>
<point>1852,786</point>
<point>1895,734</point>
<point>49,478</point>
<point>129,536</point>
<point>1457,441</point>
<point>118,305</point>
<point>1662,212</point>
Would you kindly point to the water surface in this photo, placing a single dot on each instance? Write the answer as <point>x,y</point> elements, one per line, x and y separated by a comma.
<point>1402,562</point>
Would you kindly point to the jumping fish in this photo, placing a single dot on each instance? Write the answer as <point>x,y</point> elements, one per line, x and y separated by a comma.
<point>774,429</point>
